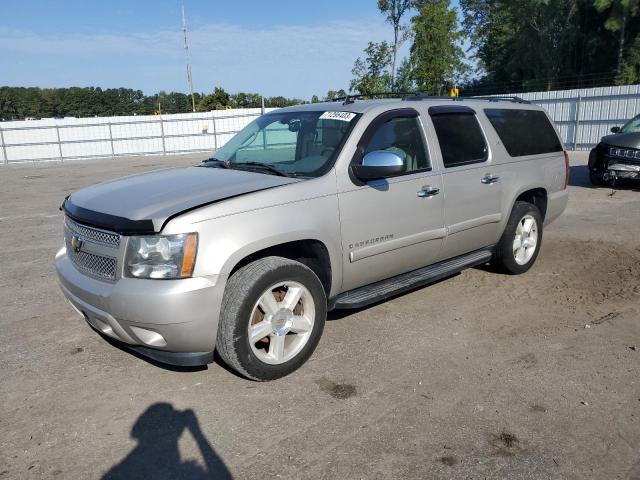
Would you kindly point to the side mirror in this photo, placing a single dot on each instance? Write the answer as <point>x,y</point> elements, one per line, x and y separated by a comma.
<point>380,164</point>
<point>615,129</point>
<point>294,125</point>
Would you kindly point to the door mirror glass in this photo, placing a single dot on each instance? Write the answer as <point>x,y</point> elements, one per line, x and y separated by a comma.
<point>615,129</point>
<point>380,164</point>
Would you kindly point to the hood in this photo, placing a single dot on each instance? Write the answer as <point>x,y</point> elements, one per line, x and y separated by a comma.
<point>144,203</point>
<point>626,140</point>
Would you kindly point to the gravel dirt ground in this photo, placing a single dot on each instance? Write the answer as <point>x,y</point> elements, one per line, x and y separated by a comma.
<point>481,375</point>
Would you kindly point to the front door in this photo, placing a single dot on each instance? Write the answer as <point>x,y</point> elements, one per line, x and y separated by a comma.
<point>392,225</point>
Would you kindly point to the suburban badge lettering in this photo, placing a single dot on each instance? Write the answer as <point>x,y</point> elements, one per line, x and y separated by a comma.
<point>371,241</point>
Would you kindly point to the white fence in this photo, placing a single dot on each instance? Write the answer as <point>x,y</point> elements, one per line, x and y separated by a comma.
<point>584,116</point>
<point>78,138</point>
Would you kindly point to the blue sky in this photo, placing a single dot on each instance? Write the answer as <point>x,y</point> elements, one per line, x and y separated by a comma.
<point>274,47</point>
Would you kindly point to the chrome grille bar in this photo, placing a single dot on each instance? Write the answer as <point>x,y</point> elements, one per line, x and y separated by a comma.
<point>91,234</point>
<point>92,251</point>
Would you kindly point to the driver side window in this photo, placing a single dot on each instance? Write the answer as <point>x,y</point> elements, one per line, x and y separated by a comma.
<point>401,134</point>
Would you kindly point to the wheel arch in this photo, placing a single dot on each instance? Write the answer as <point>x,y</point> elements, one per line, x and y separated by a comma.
<point>537,196</point>
<point>310,252</point>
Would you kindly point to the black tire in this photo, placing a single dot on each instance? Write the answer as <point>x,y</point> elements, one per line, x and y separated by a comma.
<point>596,178</point>
<point>505,258</point>
<point>242,291</point>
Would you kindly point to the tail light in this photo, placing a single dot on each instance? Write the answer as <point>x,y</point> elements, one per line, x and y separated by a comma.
<point>567,170</point>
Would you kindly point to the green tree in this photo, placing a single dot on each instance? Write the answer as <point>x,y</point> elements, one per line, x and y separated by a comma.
<point>372,74</point>
<point>247,100</point>
<point>546,44</point>
<point>176,102</point>
<point>18,102</point>
<point>8,107</point>
<point>437,58</point>
<point>218,100</point>
<point>394,10</point>
<point>630,70</point>
<point>620,13</point>
<point>315,99</point>
<point>280,101</point>
<point>333,94</point>
<point>404,77</point>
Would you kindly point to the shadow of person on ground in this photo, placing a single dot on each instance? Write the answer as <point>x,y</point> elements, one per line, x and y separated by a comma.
<point>156,456</point>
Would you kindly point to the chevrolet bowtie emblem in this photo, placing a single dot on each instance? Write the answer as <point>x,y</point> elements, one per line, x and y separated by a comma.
<point>76,244</point>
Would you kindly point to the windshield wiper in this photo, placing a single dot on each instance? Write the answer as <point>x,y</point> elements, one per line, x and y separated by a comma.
<point>259,166</point>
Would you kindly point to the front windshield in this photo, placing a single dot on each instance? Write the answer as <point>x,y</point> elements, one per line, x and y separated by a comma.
<point>632,126</point>
<point>294,143</point>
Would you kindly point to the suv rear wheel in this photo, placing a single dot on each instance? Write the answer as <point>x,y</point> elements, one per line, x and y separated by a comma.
<point>272,317</point>
<point>520,243</point>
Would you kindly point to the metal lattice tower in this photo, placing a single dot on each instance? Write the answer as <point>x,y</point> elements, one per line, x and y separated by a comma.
<point>186,50</point>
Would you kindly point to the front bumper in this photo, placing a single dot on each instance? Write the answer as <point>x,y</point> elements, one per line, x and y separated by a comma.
<point>170,321</point>
<point>622,170</point>
<point>626,164</point>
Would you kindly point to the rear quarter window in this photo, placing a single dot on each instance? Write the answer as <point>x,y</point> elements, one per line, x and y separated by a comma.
<point>524,132</point>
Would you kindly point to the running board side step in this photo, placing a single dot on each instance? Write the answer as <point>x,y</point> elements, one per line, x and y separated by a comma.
<point>378,291</point>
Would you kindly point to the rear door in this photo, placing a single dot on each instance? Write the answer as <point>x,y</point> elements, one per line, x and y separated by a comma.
<point>390,226</point>
<point>472,184</point>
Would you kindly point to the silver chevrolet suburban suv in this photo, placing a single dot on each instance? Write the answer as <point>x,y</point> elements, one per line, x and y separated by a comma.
<point>307,209</point>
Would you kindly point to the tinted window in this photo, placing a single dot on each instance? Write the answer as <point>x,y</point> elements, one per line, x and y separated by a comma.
<point>401,134</point>
<point>461,139</point>
<point>524,132</point>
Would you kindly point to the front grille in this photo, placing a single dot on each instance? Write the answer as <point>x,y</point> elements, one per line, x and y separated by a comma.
<point>90,234</point>
<point>94,265</point>
<point>96,251</point>
<point>628,156</point>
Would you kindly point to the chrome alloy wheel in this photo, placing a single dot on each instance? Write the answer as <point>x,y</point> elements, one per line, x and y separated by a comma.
<point>525,240</point>
<point>281,322</point>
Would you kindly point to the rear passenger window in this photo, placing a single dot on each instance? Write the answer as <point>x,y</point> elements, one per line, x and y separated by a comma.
<point>461,139</point>
<point>524,132</point>
<point>401,134</point>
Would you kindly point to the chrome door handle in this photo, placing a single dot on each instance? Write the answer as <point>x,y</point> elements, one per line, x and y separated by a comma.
<point>428,191</point>
<point>487,179</point>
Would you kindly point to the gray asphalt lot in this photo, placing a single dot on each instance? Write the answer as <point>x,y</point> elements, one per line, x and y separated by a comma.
<point>481,375</point>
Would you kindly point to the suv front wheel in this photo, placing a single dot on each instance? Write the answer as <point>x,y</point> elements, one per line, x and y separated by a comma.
<point>520,243</point>
<point>272,317</point>
<point>596,177</point>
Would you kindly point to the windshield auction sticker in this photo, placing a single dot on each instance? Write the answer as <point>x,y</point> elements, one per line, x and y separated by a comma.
<point>342,116</point>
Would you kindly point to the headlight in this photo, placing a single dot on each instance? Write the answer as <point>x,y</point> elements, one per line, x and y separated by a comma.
<point>161,256</point>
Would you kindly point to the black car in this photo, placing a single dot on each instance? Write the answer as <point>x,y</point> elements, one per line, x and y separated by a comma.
<point>617,156</point>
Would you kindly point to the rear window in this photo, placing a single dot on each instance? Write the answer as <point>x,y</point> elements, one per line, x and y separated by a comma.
<point>461,139</point>
<point>524,132</point>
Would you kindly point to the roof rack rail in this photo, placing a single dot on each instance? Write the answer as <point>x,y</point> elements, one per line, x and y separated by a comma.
<point>349,98</point>
<point>413,96</point>
<point>501,98</point>
<point>426,96</point>
<point>498,98</point>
